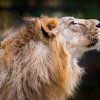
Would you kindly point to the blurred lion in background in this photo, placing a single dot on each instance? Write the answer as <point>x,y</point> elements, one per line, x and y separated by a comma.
<point>39,62</point>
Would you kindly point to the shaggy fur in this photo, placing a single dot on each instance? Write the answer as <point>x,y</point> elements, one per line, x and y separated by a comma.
<point>35,63</point>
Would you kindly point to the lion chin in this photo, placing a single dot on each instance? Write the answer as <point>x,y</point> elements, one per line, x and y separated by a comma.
<point>35,65</point>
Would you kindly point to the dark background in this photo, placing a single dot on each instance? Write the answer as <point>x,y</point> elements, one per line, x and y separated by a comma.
<point>12,10</point>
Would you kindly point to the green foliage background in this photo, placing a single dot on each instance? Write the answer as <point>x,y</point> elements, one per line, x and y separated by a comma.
<point>11,10</point>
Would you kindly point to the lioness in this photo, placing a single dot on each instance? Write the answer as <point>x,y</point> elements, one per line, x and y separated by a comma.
<point>39,60</point>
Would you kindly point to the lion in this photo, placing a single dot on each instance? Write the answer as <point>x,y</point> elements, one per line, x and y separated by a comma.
<point>38,61</point>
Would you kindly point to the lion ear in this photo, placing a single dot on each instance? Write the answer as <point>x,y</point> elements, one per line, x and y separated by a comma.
<point>47,26</point>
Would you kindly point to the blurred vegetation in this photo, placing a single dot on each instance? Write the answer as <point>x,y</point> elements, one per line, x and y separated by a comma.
<point>12,10</point>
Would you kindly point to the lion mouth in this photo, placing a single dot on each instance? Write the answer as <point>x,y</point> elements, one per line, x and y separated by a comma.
<point>92,43</point>
<point>94,38</point>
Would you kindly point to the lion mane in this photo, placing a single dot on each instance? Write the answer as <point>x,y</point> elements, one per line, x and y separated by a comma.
<point>34,64</point>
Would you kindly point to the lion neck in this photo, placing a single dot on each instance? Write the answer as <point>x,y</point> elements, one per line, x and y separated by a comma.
<point>76,53</point>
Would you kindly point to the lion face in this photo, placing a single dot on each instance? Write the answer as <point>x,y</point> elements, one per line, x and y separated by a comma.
<point>80,34</point>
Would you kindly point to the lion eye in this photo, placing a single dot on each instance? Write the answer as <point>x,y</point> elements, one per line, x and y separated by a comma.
<point>73,23</point>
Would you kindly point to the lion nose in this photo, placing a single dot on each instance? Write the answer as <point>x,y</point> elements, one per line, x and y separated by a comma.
<point>98,25</point>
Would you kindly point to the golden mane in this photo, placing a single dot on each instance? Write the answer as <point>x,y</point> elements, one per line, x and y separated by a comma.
<point>36,67</point>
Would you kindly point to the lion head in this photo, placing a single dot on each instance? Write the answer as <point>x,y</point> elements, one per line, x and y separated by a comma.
<point>39,60</point>
<point>81,34</point>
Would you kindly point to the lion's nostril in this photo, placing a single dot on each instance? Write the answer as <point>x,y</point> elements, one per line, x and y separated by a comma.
<point>98,25</point>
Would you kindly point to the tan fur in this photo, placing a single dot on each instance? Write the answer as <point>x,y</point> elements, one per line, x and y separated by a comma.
<point>35,64</point>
